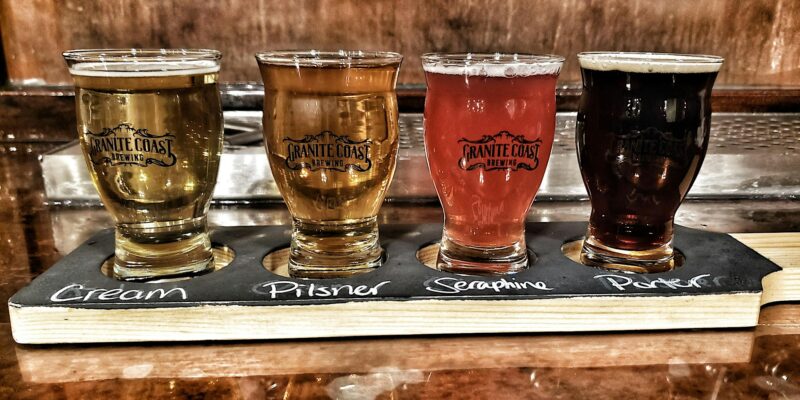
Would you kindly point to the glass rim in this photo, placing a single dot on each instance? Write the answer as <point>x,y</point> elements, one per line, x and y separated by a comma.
<point>645,62</point>
<point>638,56</point>
<point>141,62</point>
<point>138,54</point>
<point>499,58</point>
<point>494,65</point>
<point>320,58</point>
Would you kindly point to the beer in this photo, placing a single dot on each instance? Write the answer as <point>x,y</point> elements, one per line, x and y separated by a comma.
<point>642,134</point>
<point>150,126</point>
<point>489,127</point>
<point>331,131</point>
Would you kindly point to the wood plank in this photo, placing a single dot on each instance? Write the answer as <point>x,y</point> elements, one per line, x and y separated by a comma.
<point>370,355</point>
<point>757,37</point>
<point>43,325</point>
<point>784,250</point>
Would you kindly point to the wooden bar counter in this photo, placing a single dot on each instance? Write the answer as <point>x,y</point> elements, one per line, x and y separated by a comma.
<point>751,363</point>
<point>758,38</point>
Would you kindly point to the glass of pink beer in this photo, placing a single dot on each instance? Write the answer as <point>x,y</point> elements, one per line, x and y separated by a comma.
<point>489,126</point>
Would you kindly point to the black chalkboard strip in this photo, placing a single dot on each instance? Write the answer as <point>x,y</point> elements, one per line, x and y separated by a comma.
<point>73,302</point>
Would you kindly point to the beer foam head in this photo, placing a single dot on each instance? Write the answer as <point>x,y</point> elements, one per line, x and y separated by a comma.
<point>650,62</point>
<point>143,69</point>
<point>142,63</point>
<point>492,65</point>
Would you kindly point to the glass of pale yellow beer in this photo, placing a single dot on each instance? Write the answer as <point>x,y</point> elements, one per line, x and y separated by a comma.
<point>331,132</point>
<point>150,126</point>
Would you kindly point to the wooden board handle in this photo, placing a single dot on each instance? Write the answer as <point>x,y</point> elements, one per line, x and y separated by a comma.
<point>782,249</point>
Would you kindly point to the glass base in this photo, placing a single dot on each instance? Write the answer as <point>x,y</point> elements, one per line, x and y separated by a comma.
<point>163,249</point>
<point>659,259</point>
<point>334,249</point>
<point>460,259</point>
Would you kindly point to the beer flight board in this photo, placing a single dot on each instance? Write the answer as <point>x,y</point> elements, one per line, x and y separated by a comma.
<point>719,285</point>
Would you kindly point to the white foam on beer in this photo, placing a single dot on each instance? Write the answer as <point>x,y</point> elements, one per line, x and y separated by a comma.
<point>132,69</point>
<point>494,70</point>
<point>650,63</point>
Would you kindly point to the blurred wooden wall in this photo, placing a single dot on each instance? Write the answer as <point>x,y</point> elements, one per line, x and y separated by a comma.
<point>760,39</point>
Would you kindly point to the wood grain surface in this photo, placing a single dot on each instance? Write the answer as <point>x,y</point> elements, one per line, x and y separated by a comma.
<point>366,355</point>
<point>782,249</point>
<point>49,325</point>
<point>758,38</point>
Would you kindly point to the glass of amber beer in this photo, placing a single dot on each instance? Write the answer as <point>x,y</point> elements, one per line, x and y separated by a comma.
<point>331,131</point>
<point>489,126</point>
<point>642,133</point>
<point>150,126</point>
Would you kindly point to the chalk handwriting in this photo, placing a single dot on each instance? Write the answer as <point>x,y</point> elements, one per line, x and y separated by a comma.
<point>455,285</point>
<point>623,283</point>
<point>79,293</point>
<point>279,289</point>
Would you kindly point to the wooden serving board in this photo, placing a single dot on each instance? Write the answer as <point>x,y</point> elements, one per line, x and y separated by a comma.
<point>720,285</point>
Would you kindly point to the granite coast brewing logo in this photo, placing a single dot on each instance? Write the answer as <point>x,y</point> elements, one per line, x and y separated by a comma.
<point>329,151</point>
<point>125,145</point>
<point>649,145</point>
<point>501,151</point>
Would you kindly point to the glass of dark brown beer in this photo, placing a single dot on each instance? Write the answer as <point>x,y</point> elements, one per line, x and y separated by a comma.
<point>642,133</point>
<point>331,130</point>
<point>150,126</point>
